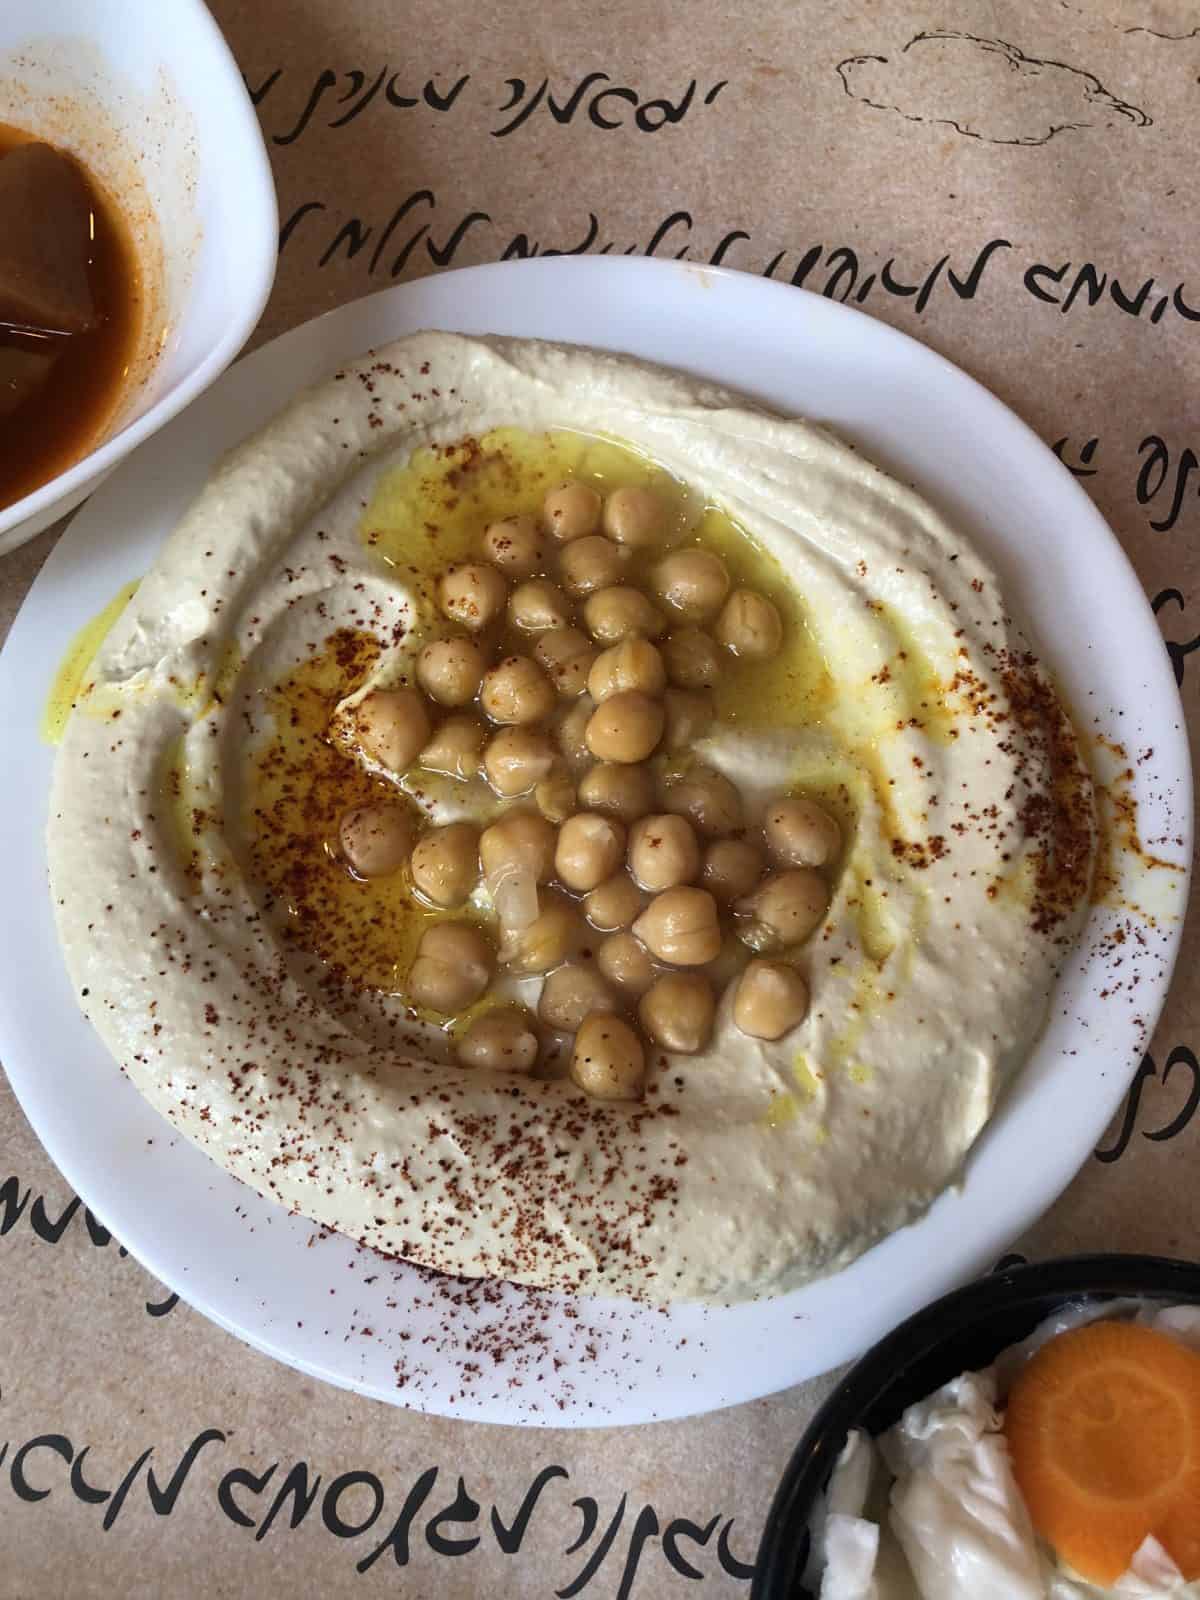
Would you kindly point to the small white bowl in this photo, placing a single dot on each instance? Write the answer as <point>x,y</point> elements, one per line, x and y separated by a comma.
<point>149,98</point>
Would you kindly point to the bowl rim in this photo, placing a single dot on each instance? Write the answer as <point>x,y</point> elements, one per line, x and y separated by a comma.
<point>260,239</point>
<point>1099,1275</point>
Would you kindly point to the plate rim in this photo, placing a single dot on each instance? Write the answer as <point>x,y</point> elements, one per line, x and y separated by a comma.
<point>360,312</point>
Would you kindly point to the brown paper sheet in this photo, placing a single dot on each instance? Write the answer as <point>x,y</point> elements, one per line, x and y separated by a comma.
<point>1016,184</point>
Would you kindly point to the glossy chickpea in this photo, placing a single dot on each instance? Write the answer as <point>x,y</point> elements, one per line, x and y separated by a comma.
<point>516,546</point>
<point>445,864</point>
<point>677,1012</point>
<point>451,670</point>
<point>688,716</point>
<point>608,1062</point>
<point>392,727</point>
<point>472,595</point>
<point>626,728</point>
<point>663,852</point>
<point>613,904</point>
<point>516,691</point>
<point>376,839</point>
<point>571,732</point>
<point>632,664</point>
<point>590,848</point>
<point>519,840</point>
<point>710,802</point>
<point>517,759</point>
<point>691,658</point>
<point>770,1000</point>
<point>681,926</point>
<point>455,748</point>
<point>452,969</point>
<point>537,606</point>
<point>750,626</point>
<point>591,563</point>
<point>731,869</point>
<point>692,582</point>
<point>611,615</point>
<point>801,833</point>
<point>635,517</point>
<point>556,934</point>
<point>503,1040</point>
<point>565,655</point>
<point>626,963</point>
<point>570,993</point>
<point>555,795</point>
<point>620,789</point>
<point>783,910</point>
<point>571,511</point>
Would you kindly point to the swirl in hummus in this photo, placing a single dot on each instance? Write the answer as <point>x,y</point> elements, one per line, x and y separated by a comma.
<point>256,993</point>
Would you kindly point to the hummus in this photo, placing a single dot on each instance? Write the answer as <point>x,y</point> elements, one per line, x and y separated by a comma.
<point>267,1020</point>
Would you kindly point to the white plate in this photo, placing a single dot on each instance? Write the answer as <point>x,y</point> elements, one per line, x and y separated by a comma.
<point>497,1352</point>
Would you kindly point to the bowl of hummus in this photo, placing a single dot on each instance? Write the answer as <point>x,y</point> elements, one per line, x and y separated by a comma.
<point>563,823</point>
<point>642,806</point>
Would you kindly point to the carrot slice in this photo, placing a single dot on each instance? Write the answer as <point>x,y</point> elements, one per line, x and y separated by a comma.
<point>1103,1427</point>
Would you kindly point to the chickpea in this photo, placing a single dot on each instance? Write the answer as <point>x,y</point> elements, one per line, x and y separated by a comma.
<point>750,626</point>
<point>451,670</point>
<point>692,582</point>
<point>784,909</point>
<point>504,1040</point>
<point>590,848</point>
<point>708,799</point>
<point>591,563</point>
<point>612,904</point>
<point>608,1062</point>
<point>516,759</point>
<point>572,732</point>
<point>770,1000</point>
<point>681,926</point>
<point>376,838</point>
<point>663,853</point>
<point>731,869</point>
<point>555,934</point>
<point>625,961</point>
<point>689,714</point>
<point>621,789</point>
<point>571,511</point>
<point>515,546</point>
<point>677,1012</point>
<point>635,516</point>
<point>537,605</point>
<point>392,726</point>
<point>626,728</point>
<point>632,664</point>
<point>518,840</point>
<point>570,993</point>
<point>472,595</point>
<point>691,658</point>
<point>611,615</point>
<point>801,833</point>
<point>555,795</point>
<point>452,969</point>
<point>455,748</point>
<point>565,655</point>
<point>445,864</point>
<point>517,691</point>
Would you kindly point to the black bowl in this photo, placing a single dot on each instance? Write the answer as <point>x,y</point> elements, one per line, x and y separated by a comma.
<point>962,1332</point>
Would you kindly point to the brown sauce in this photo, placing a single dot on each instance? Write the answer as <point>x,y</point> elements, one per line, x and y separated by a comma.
<point>60,420</point>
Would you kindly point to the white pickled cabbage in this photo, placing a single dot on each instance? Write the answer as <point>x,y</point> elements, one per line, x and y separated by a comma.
<point>955,1507</point>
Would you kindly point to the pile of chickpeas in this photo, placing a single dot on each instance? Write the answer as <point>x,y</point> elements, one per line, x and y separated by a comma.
<point>621,862</point>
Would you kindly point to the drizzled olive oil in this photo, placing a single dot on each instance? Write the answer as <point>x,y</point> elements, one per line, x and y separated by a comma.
<point>69,680</point>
